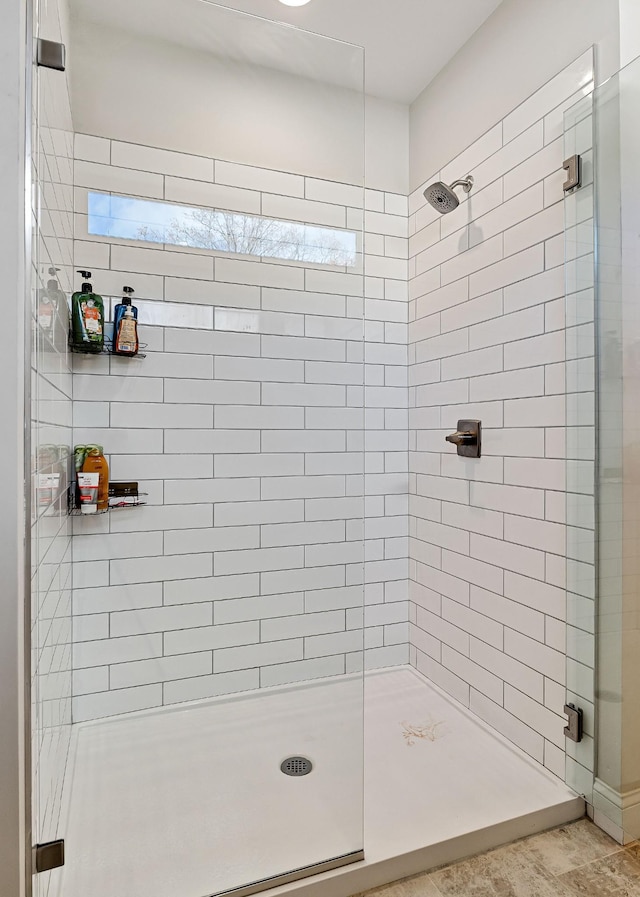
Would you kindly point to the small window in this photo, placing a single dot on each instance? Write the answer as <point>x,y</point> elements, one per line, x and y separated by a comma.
<point>129,218</point>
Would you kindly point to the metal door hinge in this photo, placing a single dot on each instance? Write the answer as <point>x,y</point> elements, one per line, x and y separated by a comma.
<point>48,856</point>
<point>573,167</point>
<point>51,55</point>
<point>574,729</point>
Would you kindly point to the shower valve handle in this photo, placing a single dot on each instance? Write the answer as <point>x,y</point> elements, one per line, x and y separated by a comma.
<point>467,438</point>
<point>462,438</point>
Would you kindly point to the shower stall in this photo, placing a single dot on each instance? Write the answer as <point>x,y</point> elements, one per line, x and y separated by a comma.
<point>321,650</point>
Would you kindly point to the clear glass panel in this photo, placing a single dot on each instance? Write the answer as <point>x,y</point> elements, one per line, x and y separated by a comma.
<point>603,534</point>
<point>581,442</point>
<point>217,631</point>
<point>51,438</point>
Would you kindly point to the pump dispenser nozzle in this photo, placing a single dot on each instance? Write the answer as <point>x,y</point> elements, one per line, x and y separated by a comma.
<point>86,286</point>
<point>53,284</point>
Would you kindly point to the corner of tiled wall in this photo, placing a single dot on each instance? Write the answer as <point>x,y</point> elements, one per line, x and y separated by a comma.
<point>488,550</point>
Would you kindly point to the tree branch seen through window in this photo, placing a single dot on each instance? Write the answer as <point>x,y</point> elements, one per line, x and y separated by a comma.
<point>220,231</point>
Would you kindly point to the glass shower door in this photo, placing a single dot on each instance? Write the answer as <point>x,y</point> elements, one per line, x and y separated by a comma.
<point>216,743</point>
<point>50,440</point>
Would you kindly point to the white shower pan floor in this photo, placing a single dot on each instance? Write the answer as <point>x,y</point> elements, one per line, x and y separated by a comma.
<point>190,802</point>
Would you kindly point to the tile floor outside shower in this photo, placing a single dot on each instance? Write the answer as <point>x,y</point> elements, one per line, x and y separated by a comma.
<point>576,860</point>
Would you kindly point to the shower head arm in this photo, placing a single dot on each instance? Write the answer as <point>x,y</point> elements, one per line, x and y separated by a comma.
<point>465,183</point>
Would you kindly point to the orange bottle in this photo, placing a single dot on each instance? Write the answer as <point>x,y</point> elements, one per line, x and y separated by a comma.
<point>95,462</point>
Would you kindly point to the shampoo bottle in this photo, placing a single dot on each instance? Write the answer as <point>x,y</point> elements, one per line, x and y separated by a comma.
<point>95,462</point>
<point>125,334</point>
<point>87,318</point>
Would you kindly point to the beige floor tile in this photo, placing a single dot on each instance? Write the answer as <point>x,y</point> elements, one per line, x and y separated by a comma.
<point>417,886</point>
<point>507,872</point>
<point>577,860</point>
<point>569,847</point>
<point>615,876</point>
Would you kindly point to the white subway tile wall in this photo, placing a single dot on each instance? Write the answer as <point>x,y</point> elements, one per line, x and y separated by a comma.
<point>245,423</point>
<point>489,548</point>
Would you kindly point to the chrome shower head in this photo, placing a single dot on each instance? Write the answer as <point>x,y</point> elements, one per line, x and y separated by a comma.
<point>443,198</point>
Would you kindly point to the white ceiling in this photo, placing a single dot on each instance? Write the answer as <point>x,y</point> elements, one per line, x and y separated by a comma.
<point>406,42</point>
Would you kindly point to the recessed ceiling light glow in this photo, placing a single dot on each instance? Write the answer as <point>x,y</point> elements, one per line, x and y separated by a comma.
<point>294,2</point>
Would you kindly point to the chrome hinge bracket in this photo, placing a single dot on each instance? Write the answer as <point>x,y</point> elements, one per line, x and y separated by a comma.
<point>573,167</point>
<point>51,55</point>
<point>574,729</point>
<point>48,856</point>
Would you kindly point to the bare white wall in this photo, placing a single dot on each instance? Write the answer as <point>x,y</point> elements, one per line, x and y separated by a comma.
<point>617,201</point>
<point>520,47</point>
<point>386,151</point>
<point>629,31</point>
<point>198,103</point>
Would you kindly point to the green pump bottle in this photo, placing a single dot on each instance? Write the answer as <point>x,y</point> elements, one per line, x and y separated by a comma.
<point>51,302</point>
<point>87,318</point>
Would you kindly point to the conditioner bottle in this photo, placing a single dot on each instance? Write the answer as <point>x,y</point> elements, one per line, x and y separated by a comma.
<point>125,326</point>
<point>119,310</point>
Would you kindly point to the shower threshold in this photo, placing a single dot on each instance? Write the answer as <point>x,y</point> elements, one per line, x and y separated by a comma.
<point>296,875</point>
<point>439,785</point>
